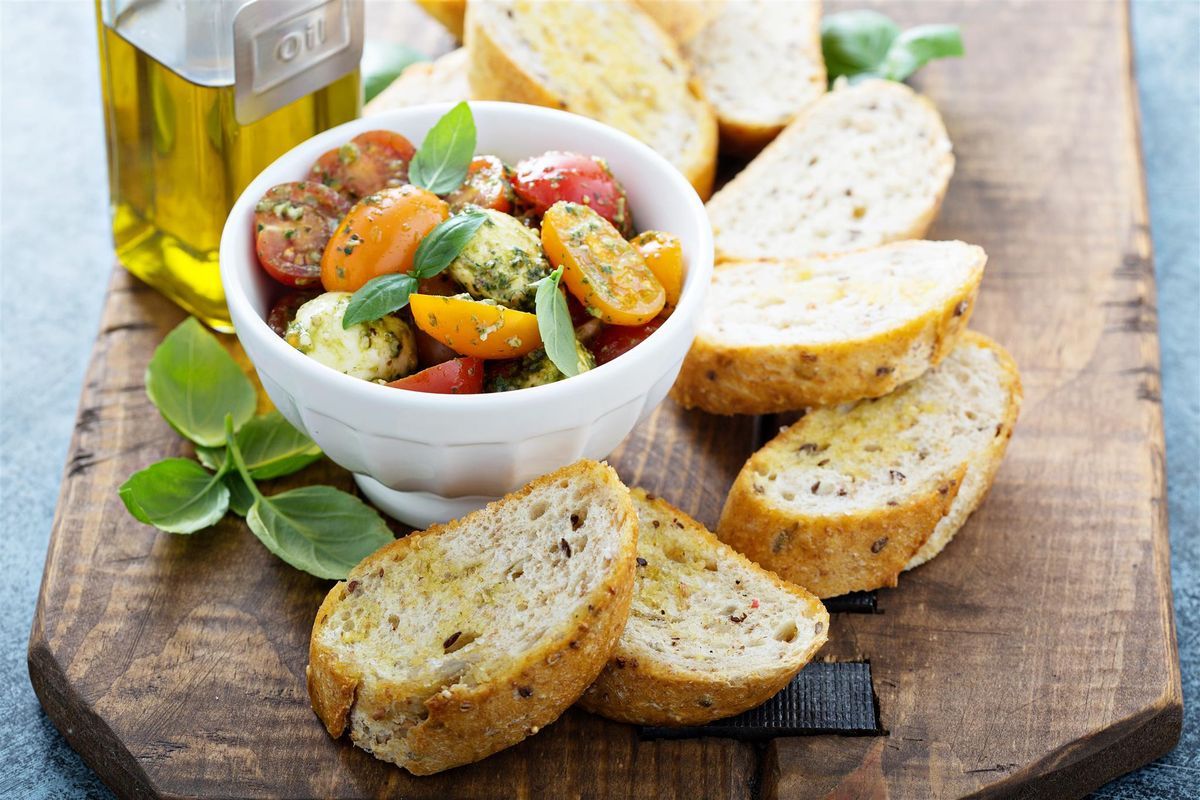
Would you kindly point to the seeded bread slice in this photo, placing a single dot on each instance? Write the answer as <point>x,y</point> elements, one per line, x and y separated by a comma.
<point>682,19</point>
<point>760,64</point>
<point>443,80</point>
<point>845,498</point>
<point>781,336</point>
<point>862,166</point>
<point>604,60</point>
<point>710,634</point>
<point>448,645</point>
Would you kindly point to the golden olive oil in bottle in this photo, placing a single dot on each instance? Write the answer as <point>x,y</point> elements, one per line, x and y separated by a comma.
<point>198,98</point>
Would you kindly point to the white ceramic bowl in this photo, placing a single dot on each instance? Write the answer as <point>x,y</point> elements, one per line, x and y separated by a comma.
<point>429,457</point>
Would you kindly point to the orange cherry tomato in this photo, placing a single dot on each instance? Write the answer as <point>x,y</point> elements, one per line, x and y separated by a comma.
<point>604,271</point>
<point>474,328</point>
<point>486,186</point>
<point>663,254</point>
<point>379,236</point>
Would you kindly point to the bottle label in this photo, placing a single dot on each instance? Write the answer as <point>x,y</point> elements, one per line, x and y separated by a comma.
<point>286,49</point>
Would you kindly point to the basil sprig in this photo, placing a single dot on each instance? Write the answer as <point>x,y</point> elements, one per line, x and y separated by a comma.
<point>554,325</point>
<point>318,529</point>
<point>388,293</point>
<point>866,44</point>
<point>445,156</point>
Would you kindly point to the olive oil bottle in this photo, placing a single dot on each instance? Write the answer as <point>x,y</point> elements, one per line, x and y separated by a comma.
<point>198,98</point>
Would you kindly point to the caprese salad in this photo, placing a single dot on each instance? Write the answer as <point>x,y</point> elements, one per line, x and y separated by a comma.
<point>439,270</point>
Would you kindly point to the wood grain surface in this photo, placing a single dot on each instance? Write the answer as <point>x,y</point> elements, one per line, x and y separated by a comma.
<point>1035,657</point>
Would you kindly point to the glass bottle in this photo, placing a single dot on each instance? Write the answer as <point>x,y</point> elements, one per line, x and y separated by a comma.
<point>199,96</point>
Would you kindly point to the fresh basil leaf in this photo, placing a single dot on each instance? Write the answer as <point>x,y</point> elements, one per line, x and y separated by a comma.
<point>916,47</point>
<point>240,496</point>
<point>442,162</point>
<point>855,42</point>
<point>554,324</point>
<point>318,529</point>
<point>195,383</point>
<point>382,63</point>
<point>377,297</point>
<point>270,446</point>
<point>866,44</point>
<point>176,495</point>
<point>442,245</point>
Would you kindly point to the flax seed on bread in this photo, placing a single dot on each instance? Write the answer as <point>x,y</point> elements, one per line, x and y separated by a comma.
<point>862,166</point>
<point>710,634</point>
<point>783,336</point>
<point>450,644</point>
<point>844,499</point>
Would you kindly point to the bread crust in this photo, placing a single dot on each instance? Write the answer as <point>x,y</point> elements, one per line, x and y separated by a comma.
<point>967,500</point>
<point>642,691</point>
<point>832,554</point>
<point>466,723</point>
<point>448,12</point>
<point>768,379</point>
<point>494,74</point>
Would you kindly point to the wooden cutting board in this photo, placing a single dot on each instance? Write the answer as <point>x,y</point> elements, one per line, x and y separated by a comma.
<point>1035,657</point>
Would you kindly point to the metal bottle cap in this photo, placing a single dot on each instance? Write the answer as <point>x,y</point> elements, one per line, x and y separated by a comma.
<point>286,49</point>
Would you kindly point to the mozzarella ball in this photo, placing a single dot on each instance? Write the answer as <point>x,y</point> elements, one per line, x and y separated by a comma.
<point>381,350</point>
<point>501,262</point>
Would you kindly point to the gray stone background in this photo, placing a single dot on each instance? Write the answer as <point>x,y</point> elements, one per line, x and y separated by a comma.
<point>56,255</point>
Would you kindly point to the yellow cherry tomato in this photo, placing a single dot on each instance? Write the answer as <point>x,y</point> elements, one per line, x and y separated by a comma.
<point>603,271</point>
<point>663,254</point>
<point>475,328</point>
<point>379,236</point>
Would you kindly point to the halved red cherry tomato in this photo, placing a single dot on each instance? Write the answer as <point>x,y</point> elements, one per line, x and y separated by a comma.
<point>369,162</point>
<point>292,224</point>
<point>379,236</point>
<point>600,268</point>
<point>544,180</point>
<point>456,376</point>
<point>616,340</point>
<point>486,186</point>
<point>663,254</point>
<point>285,308</point>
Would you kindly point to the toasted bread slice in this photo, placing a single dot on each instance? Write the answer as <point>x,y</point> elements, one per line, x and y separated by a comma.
<point>710,634</point>
<point>783,336</point>
<point>448,12</point>
<point>682,19</point>
<point>846,497</point>
<point>440,81</point>
<point>448,645</point>
<point>604,60</point>
<point>759,63</point>
<point>862,166</point>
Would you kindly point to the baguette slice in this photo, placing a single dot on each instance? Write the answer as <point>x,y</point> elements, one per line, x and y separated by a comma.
<point>760,64</point>
<point>710,634</point>
<point>781,336</point>
<point>608,61</point>
<point>862,166</point>
<point>448,12</point>
<point>443,80</point>
<point>845,498</point>
<point>682,19</point>
<point>448,645</point>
